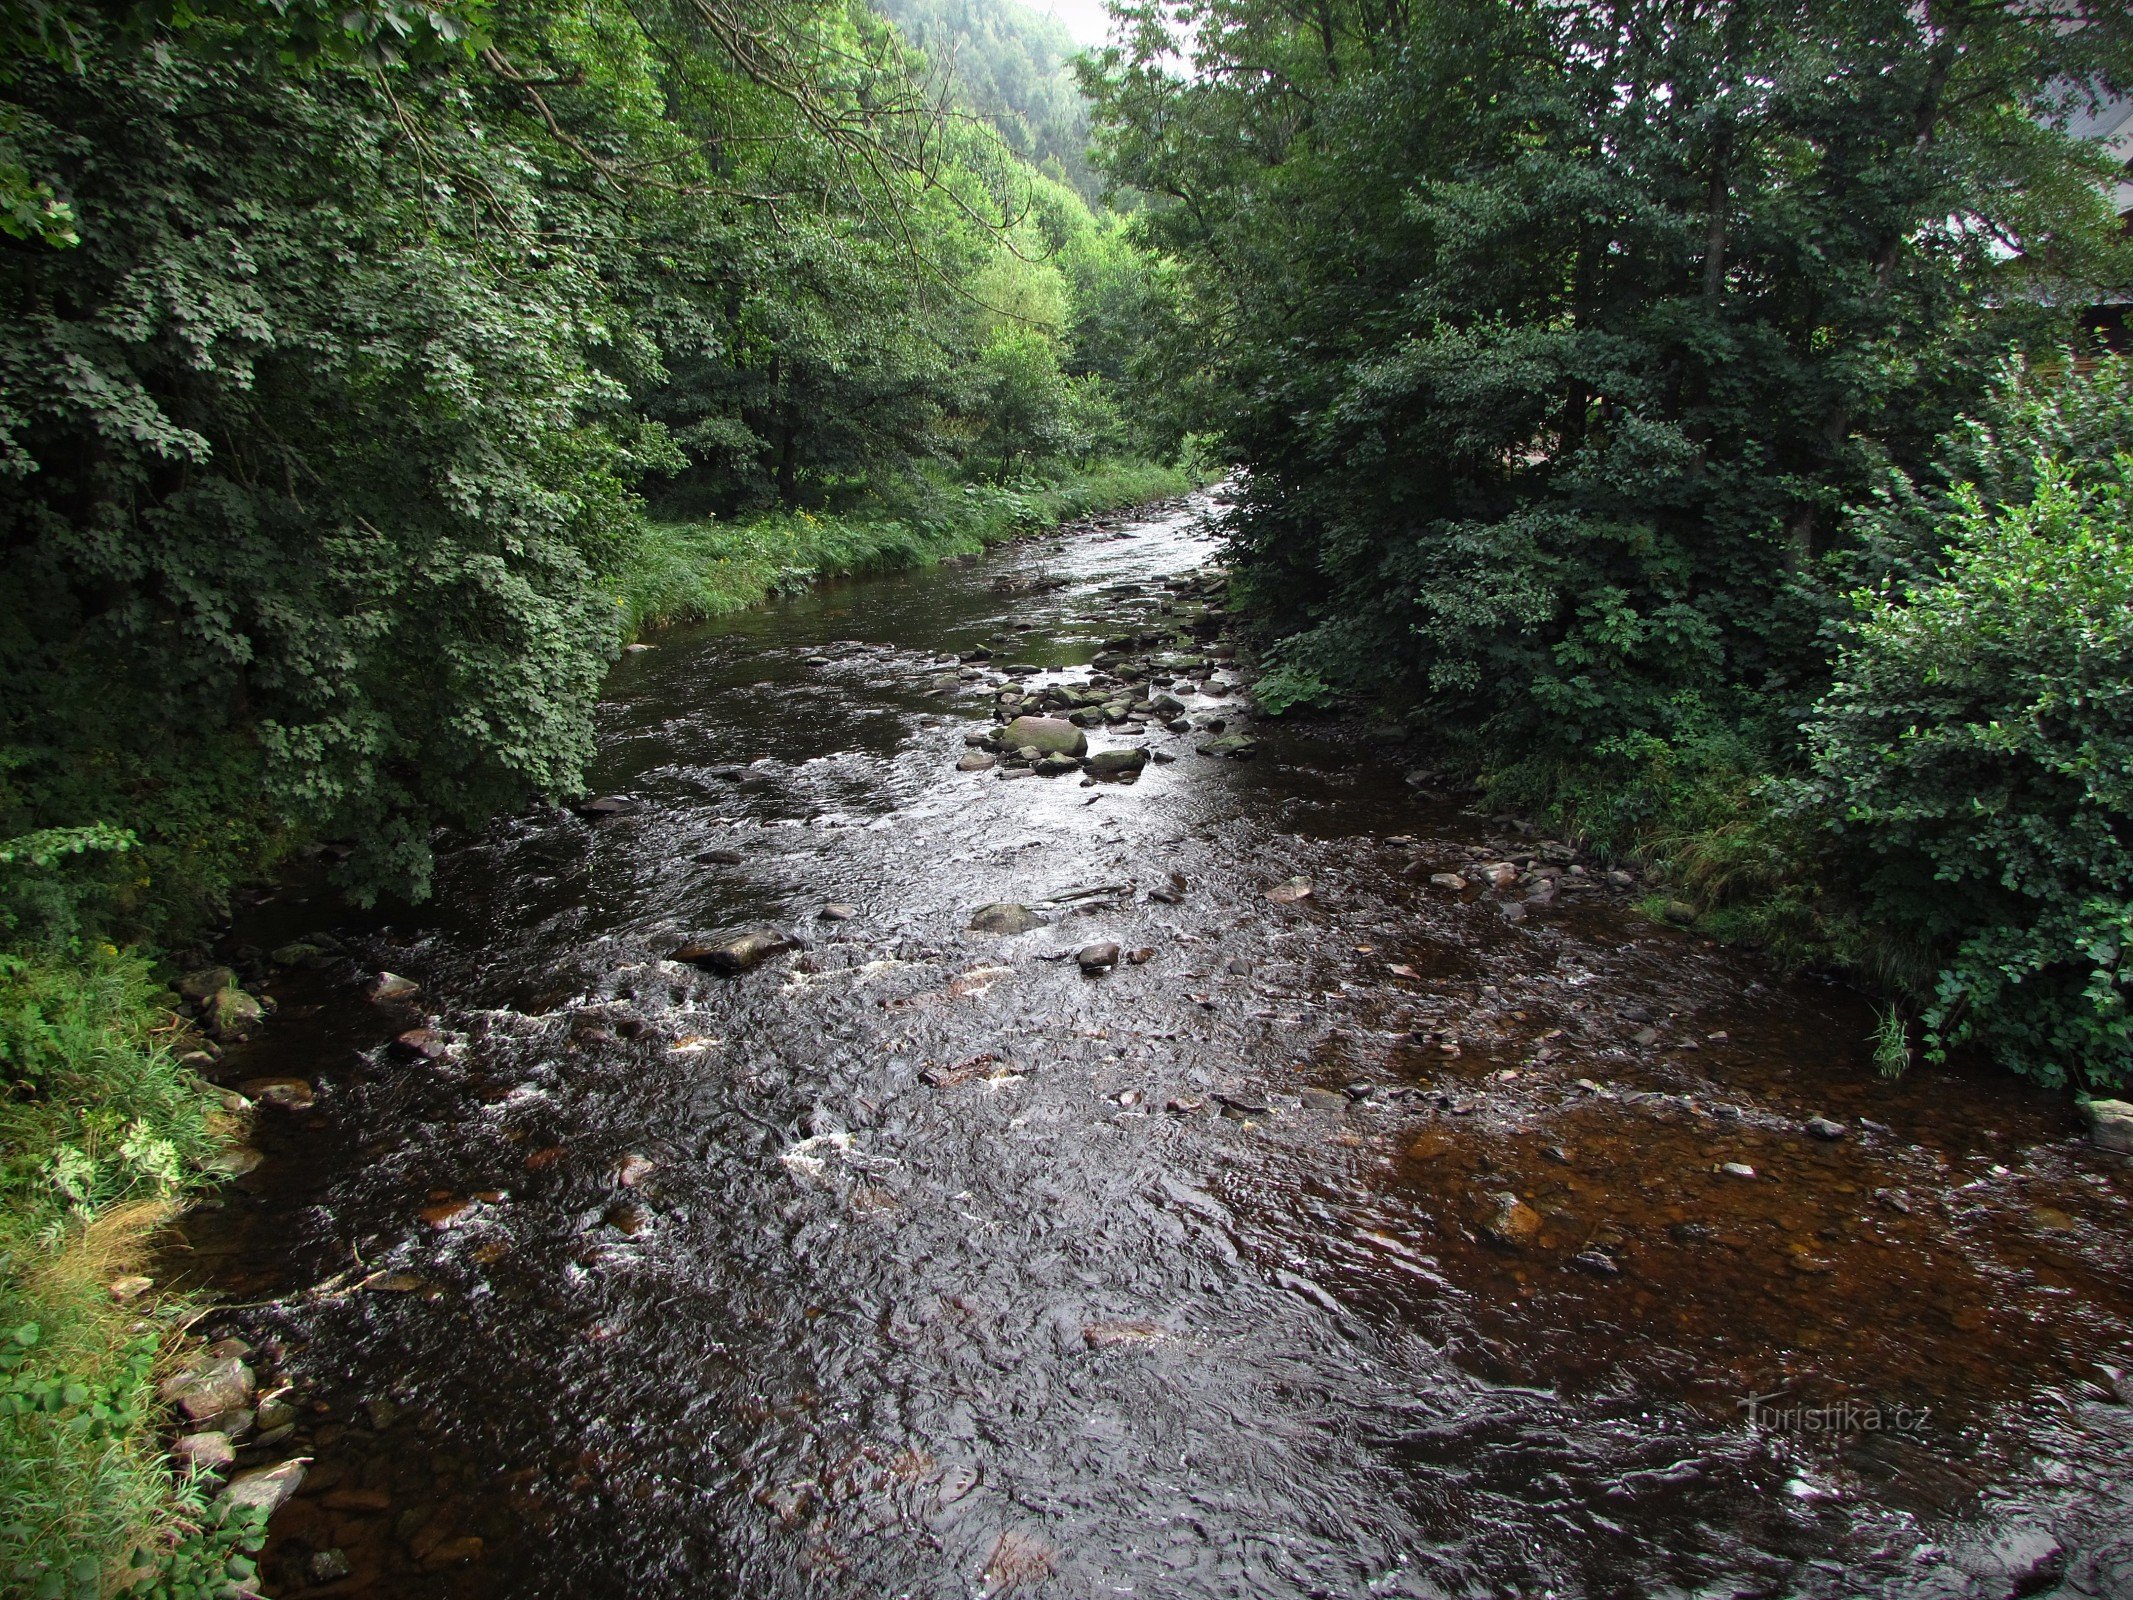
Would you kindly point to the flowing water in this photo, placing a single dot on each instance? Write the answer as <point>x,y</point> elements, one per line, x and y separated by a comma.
<point>916,1262</point>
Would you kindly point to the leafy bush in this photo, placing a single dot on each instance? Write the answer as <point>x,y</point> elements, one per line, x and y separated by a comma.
<point>1978,744</point>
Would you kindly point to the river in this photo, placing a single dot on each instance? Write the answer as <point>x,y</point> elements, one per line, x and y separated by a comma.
<point>1357,1242</point>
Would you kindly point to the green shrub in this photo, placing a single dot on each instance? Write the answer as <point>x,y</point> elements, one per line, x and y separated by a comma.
<point>1977,746</point>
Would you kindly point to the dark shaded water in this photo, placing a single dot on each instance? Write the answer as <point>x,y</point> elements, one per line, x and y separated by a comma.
<point>925,1292</point>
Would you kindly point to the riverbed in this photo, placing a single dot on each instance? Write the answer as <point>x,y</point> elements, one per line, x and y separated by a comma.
<point>1361,1239</point>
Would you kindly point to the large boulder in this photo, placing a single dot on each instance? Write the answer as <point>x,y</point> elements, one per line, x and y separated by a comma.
<point>1048,736</point>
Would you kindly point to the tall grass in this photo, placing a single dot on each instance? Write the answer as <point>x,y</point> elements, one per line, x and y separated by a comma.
<point>684,570</point>
<point>101,1132</point>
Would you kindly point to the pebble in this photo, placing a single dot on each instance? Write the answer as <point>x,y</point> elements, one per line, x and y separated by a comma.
<point>1095,958</point>
<point>1823,1128</point>
<point>390,986</point>
<point>718,858</point>
<point>838,911</point>
<point>1449,880</point>
<point>1737,1169</point>
<point>1287,894</point>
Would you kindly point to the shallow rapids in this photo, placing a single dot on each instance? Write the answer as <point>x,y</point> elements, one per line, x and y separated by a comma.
<point>1362,1242</point>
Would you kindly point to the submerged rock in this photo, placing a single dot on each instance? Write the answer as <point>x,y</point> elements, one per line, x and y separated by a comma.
<point>1006,917</point>
<point>739,953</point>
<point>1509,1221</point>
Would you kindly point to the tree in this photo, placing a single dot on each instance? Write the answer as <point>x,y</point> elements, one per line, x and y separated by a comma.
<point>1557,336</point>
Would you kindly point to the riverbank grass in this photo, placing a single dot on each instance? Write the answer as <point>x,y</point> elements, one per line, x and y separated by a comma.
<point>681,571</point>
<point>102,1132</point>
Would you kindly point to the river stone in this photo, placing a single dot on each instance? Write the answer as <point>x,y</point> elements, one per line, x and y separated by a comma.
<point>1510,1221</point>
<point>736,954</point>
<point>976,761</point>
<point>420,1044</point>
<point>2111,1124</point>
<point>205,1452</point>
<point>1095,958</point>
<point>1005,917</point>
<point>284,1094</point>
<point>231,1014</point>
<point>1115,764</point>
<point>1047,736</point>
<point>234,1161</point>
<point>390,986</point>
<point>1236,746</point>
<point>208,1388</point>
<point>262,1490</point>
<point>1287,894</point>
<point>1449,880</point>
<point>198,988</point>
<point>606,805</point>
<point>1824,1128</point>
<point>718,858</point>
<point>1055,766</point>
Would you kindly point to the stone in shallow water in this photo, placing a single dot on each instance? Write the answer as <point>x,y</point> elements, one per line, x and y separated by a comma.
<point>1509,1221</point>
<point>1116,764</point>
<point>263,1489</point>
<point>1047,736</point>
<point>2111,1124</point>
<point>1006,917</point>
<point>1093,958</point>
<point>736,954</point>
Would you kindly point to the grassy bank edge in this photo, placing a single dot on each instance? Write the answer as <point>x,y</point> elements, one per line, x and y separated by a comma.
<point>105,1134</point>
<point>685,571</point>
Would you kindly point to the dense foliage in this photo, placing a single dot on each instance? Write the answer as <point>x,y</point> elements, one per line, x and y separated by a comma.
<point>1560,336</point>
<point>334,378</point>
<point>1977,743</point>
